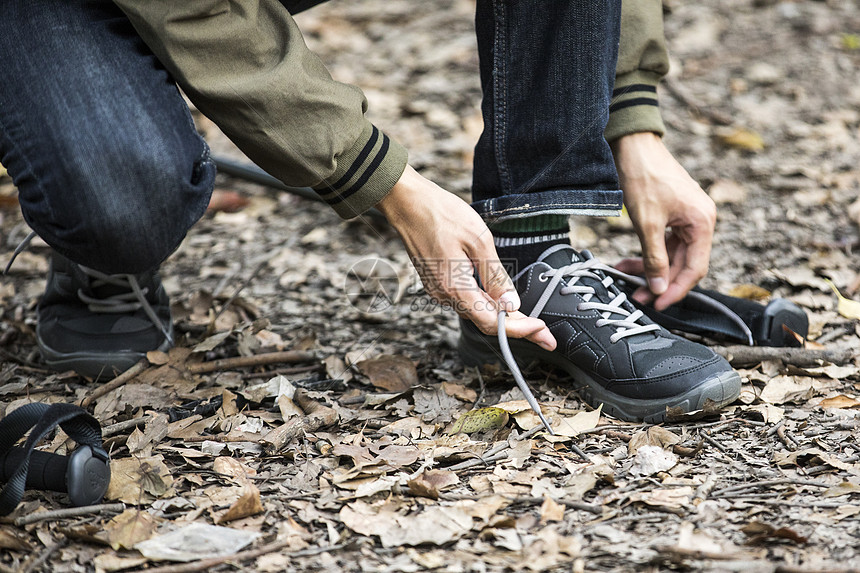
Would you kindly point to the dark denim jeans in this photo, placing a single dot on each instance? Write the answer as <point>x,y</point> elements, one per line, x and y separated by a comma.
<point>109,167</point>
<point>547,72</point>
<point>112,174</point>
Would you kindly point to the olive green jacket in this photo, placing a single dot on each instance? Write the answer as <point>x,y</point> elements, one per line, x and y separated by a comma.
<point>244,64</point>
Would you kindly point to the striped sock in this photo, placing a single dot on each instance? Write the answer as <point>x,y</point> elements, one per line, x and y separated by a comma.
<point>520,242</point>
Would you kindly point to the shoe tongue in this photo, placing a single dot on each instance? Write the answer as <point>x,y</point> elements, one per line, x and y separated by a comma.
<point>558,256</point>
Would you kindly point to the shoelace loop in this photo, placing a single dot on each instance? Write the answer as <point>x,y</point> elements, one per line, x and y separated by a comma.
<point>627,325</point>
<point>124,302</point>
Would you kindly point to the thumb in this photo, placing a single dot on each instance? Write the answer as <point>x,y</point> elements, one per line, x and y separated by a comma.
<point>655,259</point>
<point>495,280</point>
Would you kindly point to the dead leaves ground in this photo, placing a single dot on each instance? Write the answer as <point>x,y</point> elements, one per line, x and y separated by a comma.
<point>356,455</point>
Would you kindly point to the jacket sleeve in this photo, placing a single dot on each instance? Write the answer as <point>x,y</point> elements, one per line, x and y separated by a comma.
<point>642,62</point>
<point>245,65</point>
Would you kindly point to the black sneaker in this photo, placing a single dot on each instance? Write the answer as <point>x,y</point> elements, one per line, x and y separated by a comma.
<point>100,325</point>
<point>616,356</point>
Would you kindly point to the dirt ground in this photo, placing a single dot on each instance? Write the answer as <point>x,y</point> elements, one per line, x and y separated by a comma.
<point>345,454</point>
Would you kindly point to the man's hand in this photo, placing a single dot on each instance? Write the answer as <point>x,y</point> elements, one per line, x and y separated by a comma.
<point>659,194</point>
<point>447,240</point>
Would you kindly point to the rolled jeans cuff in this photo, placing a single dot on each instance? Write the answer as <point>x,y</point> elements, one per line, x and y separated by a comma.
<point>601,203</point>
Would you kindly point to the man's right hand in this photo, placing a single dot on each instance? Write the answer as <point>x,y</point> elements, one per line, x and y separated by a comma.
<point>447,240</point>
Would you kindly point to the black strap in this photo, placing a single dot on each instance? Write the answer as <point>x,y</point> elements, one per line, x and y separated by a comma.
<point>74,420</point>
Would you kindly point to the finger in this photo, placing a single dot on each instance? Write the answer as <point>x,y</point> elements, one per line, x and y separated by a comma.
<point>655,259</point>
<point>475,305</point>
<point>494,278</point>
<point>693,265</point>
<point>631,266</point>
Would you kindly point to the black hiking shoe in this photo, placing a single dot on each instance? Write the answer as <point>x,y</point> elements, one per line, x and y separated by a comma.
<point>615,355</point>
<point>100,325</point>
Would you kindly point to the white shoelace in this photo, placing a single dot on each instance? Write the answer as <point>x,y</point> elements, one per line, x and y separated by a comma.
<point>626,325</point>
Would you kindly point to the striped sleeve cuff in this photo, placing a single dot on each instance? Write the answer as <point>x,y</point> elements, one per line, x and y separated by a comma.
<point>365,173</point>
<point>634,106</point>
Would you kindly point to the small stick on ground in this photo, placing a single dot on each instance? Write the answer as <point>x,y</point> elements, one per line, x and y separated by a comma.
<point>69,512</point>
<point>802,357</point>
<point>285,357</point>
<point>43,557</point>
<point>120,427</point>
<point>116,382</point>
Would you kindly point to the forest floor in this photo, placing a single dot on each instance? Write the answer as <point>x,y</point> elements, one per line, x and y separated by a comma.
<point>344,454</point>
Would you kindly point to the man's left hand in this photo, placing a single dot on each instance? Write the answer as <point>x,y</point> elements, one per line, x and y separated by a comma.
<point>660,195</point>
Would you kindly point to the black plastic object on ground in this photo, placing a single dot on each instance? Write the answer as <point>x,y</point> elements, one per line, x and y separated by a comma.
<point>84,475</point>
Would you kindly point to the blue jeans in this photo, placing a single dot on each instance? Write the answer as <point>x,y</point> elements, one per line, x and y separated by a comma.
<point>547,72</point>
<point>109,167</point>
<point>112,173</point>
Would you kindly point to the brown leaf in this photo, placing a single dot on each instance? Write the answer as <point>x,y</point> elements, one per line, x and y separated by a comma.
<point>840,401</point>
<point>460,392</point>
<point>431,482</point>
<point>247,504</point>
<point>391,372</point>
<point>139,480</point>
<point>327,416</point>
<point>749,292</point>
<point>653,436</point>
<point>398,456</point>
<point>551,511</point>
<point>13,540</point>
<point>760,532</point>
<point>129,528</point>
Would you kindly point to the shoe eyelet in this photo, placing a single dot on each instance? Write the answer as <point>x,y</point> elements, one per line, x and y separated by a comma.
<point>543,278</point>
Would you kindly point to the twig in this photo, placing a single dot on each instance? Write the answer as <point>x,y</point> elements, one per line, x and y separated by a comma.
<point>205,564</point>
<point>116,382</point>
<point>285,357</point>
<point>752,485</point>
<point>44,556</point>
<point>789,445</point>
<point>478,461</point>
<point>68,512</point>
<point>775,429</point>
<point>803,357</point>
<point>580,505</point>
<point>120,427</point>
<point>700,110</point>
<point>282,371</point>
<point>704,490</point>
<point>627,518</point>
<point>712,441</point>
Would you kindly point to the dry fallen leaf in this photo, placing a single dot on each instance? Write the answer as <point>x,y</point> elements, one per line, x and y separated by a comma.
<point>480,420</point>
<point>248,504</point>
<point>760,532</point>
<point>840,401</point>
<point>130,528</point>
<point>846,307</point>
<point>749,292</point>
<point>551,511</point>
<point>653,436</point>
<point>13,540</point>
<point>782,389</point>
<point>391,372</point>
<point>650,460</point>
<point>435,525</point>
<point>742,138</point>
<point>431,482</point>
<point>844,488</point>
<point>139,480</point>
